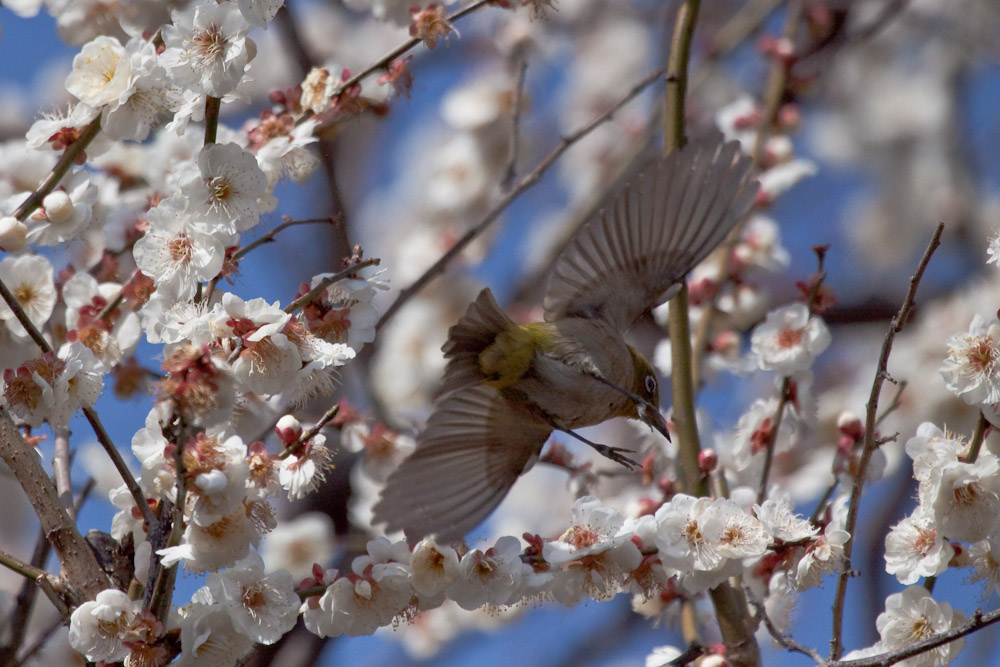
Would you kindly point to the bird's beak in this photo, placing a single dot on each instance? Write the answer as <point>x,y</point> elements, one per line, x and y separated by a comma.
<point>651,415</point>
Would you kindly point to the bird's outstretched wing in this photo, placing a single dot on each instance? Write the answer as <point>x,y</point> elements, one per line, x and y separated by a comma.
<point>472,451</point>
<point>669,218</point>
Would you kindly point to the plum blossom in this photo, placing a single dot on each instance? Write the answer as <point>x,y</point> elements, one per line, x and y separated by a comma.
<point>914,548</point>
<point>913,615</point>
<point>492,577</point>
<point>970,370</point>
<point>207,48</point>
<point>102,72</point>
<point>226,189</point>
<point>99,628</point>
<point>178,252</point>
<point>261,606</point>
<point>298,543</point>
<point>29,278</point>
<point>789,340</point>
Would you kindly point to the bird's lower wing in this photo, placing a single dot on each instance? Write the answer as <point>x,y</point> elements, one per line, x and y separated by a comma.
<point>472,451</point>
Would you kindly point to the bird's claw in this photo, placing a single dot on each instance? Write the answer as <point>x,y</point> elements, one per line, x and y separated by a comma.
<point>615,454</point>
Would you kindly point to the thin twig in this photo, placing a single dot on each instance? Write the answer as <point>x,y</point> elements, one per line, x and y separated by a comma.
<point>400,50</point>
<point>329,280</point>
<point>783,638</point>
<point>51,181</point>
<point>894,403</point>
<point>510,173</point>
<point>311,433</point>
<point>786,386</point>
<point>138,497</point>
<point>870,445</point>
<point>524,183</point>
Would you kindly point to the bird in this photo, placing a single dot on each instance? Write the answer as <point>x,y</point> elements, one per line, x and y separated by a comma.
<point>508,386</point>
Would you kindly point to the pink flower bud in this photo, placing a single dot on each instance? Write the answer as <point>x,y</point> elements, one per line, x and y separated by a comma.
<point>288,429</point>
<point>707,460</point>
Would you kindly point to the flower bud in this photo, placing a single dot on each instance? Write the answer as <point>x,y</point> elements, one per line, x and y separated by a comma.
<point>288,429</point>
<point>13,233</point>
<point>58,207</point>
<point>849,424</point>
<point>707,460</point>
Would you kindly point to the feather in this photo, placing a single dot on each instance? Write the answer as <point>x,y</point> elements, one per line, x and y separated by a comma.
<point>676,211</point>
<point>474,448</point>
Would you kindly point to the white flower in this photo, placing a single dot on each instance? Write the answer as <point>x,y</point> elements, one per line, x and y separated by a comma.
<point>492,577</point>
<point>914,549</point>
<point>596,528</point>
<point>261,606</point>
<point>930,449</point>
<point>149,95</point>
<point>227,187</point>
<point>434,567</point>
<point>361,602</point>
<point>66,213</point>
<point>737,533</point>
<point>777,518</point>
<point>299,543</point>
<point>383,448</point>
<point>54,386</point>
<point>281,149</point>
<point>85,299</point>
<point>754,430</point>
<point>259,12</point>
<point>971,370</point>
<point>984,557</point>
<point>29,278</point>
<point>222,543</point>
<point>218,473</point>
<point>911,616</point>
<point>344,312</point>
<point>101,72</point>
<point>207,48</point>
<point>823,556</point>
<point>679,537</point>
<point>268,361</point>
<point>964,498</point>
<point>208,638</point>
<point>782,177</point>
<point>177,252</point>
<point>97,628</point>
<point>789,339</point>
<point>302,472</point>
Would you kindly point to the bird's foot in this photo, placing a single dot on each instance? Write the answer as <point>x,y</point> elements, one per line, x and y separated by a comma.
<point>616,455</point>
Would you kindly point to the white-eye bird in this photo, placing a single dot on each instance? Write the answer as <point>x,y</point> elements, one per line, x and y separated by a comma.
<point>507,386</point>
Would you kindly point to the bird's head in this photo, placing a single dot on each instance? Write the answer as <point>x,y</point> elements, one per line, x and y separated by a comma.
<point>646,387</point>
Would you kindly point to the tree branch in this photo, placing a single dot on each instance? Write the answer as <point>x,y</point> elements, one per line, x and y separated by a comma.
<point>836,640</point>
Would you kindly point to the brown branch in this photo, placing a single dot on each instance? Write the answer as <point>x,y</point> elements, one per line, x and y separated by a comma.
<point>138,497</point>
<point>81,573</point>
<point>51,181</point>
<point>510,173</point>
<point>60,470</point>
<point>524,183</point>
<point>870,445</point>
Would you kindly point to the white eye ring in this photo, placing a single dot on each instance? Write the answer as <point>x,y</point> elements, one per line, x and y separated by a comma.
<point>650,384</point>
